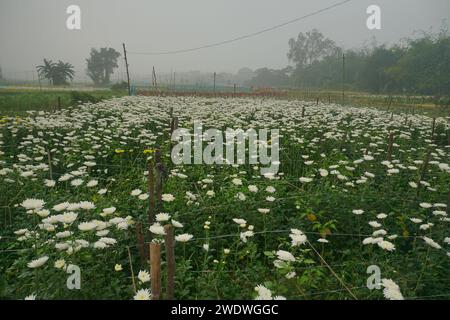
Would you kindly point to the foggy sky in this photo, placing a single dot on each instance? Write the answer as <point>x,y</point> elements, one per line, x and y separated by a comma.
<point>33,30</point>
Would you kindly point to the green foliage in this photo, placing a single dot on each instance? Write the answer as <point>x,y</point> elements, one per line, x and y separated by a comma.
<point>101,64</point>
<point>57,73</point>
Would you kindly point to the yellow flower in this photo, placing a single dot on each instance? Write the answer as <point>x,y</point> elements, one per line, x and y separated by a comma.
<point>118,267</point>
<point>311,217</point>
<point>147,151</point>
<point>119,151</point>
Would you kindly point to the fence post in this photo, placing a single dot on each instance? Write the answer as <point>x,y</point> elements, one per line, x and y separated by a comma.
<point>303,111</point>
<point>155,270</point>
<point>170,259</point>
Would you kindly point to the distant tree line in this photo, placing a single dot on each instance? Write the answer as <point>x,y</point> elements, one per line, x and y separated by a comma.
<point>420,65</point>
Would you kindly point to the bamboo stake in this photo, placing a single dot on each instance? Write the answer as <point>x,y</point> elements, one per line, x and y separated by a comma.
<point>151,191</point>
<point>155,270</point>
<point>170,259</point>
<point>131,269</point>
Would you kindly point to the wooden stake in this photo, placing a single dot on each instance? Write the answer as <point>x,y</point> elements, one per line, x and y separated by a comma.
<point>155,270</point>
<point>170,259</point>
<point>391,142</point>
<point>126,66</point>
<point>49,157</point>
<point>303,111</point>
<point>158,166</point>
<point>140,243</point>
<point>151,192</point>
<point>433,128</point>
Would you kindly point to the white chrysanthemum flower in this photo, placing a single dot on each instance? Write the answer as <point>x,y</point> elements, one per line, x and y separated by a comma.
<point>386,245</point>
<point>160,217</point>
<point>432,243</point>
<point>176,224</point>
<point>374,224</point>
<point>305,179</point>
<point>237,182</point>
<point>61,206</point>
<point>50,183</point>
<point>263,210</point>
<point>43,213</point>
<point>102,191</point>
<point>245,235</point>
<point>297,237</point>
<point>241,196</point>
<point>63,234</point>
<point>21,232</point>
<point>391,290</point>
<point>87,226</point>
<point>240,221</point>
<point>92,183</point>
<point>143,276</point>
<point>86,205</point>
<point>136,192</point>
<point>157,228</point>
<point>252,188</point>
<point>142,294</point>
<point>270,189</point>
<point>37,262</point>
<point>108,241</point>
<point>358,212</point>
<point>108,211</point>
<point>425,205</point>
<point>143,196</point>
<point>263,293</point>
<point>412,184</point>
<point>185,237</point>
<point>167,197</point>
<point>76,182</point>
<point>67,217</point>
<point>382,216</point>
<point>60,264</point>
<point>33,204</point>
<point>323,172</point>
<point>285,255</point>
<point>100,245</point>
<point>380,232</point>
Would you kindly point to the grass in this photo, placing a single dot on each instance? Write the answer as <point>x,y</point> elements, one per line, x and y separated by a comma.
<point>16,102</point>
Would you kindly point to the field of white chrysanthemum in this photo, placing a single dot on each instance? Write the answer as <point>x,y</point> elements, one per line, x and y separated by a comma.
<point>74,186</point>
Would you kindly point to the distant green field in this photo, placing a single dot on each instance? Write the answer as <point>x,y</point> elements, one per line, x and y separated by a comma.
<point>19,101</point>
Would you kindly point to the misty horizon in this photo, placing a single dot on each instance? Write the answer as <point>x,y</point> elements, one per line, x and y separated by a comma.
<point>40,32</point>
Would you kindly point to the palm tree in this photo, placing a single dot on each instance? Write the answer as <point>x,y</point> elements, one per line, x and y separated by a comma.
<point>56,73</point>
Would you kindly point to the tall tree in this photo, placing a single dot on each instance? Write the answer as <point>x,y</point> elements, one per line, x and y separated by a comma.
<point>310,47</point>
<point>57,73</point>
<point>101,65</point>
